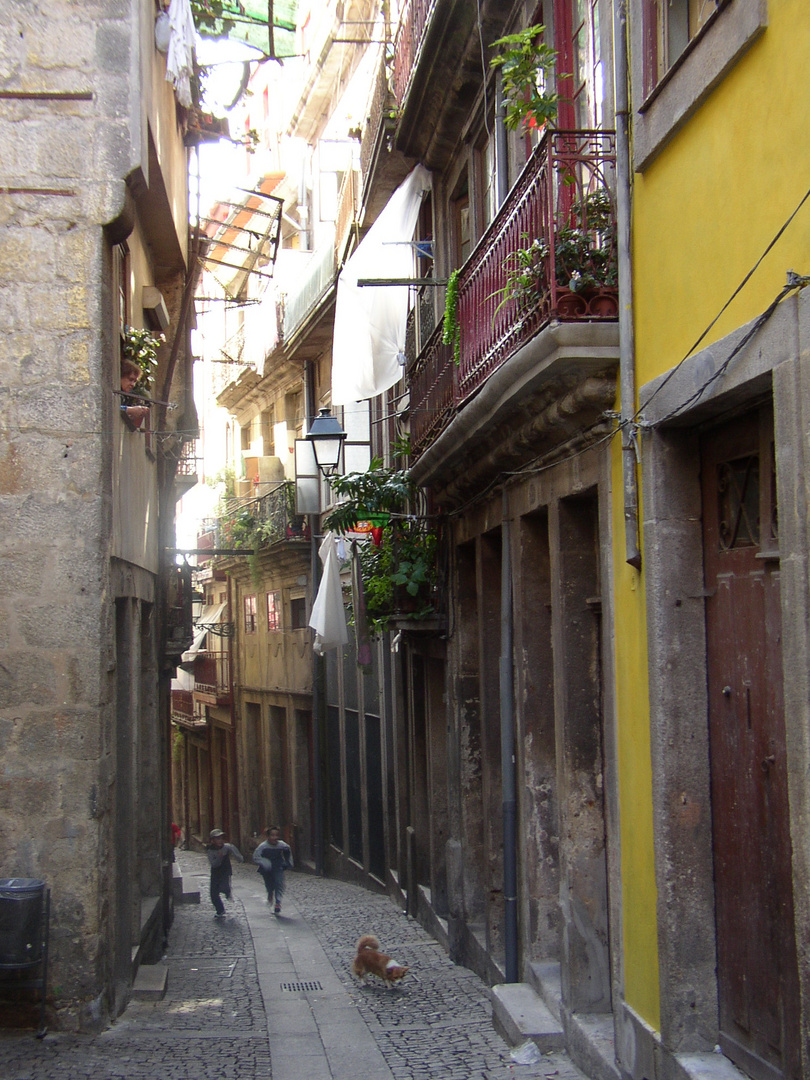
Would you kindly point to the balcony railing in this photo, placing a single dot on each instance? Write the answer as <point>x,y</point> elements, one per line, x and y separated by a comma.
<point>185,710</point>
<point>379,117</point>
<point>410,33</point>
<point>264,519</point>
<point>310,287</point>
<point>189,463</point>
<point>348,205</point>
<point>211,675</point>
<point>549,254</point>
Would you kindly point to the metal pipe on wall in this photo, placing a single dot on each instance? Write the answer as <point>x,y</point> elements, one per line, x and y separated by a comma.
<point>318,665</point>
<point>508,767</point>
<point>627,344</point>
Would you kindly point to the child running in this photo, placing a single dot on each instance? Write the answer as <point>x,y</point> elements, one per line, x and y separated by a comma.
<point>219,856</point>
<point>273,857</point>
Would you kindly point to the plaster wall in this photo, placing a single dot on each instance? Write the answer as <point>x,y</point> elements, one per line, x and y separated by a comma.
<point>708,205</point>
<point>66,725</point>
<point>721,154</point>
<point>774,363</point>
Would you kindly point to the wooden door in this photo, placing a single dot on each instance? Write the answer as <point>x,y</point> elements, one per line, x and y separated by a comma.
<point>756,951</point>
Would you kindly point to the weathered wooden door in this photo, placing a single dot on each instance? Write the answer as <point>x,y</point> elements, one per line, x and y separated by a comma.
<point>756,951</point>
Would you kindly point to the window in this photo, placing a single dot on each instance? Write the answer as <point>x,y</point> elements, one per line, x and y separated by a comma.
<point>294,416</point>
<point>489,184</point>
<point>268,432</point>
<point>250,614</point>
<point>298,612</point>
<point>681,50</point>
<point>669,26</point>
<point>122,274</point>
<point>580,71</point>
<point>273,611</point>
<point>460,211</point>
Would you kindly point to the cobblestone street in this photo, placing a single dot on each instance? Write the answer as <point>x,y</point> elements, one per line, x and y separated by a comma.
<point>214,1021</point>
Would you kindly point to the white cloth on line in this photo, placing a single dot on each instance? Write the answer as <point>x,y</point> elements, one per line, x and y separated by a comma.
<point>180,57</point>
<point>368,348</point>
<point>328,618</point>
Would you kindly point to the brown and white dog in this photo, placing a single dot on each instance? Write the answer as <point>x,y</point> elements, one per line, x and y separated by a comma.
<point>370,961</point>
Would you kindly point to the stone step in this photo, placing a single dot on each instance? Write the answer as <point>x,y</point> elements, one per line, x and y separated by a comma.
<point>150,982</point>
<point>180,893</point>
<point>518,1014</point>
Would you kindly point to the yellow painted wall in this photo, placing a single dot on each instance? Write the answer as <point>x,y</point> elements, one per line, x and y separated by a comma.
<point>703,213</point>
<point>639,894</point>
<point>708,205</point>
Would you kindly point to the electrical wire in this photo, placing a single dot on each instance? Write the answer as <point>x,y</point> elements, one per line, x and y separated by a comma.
<point>483,69</point>
<point>728,302</point>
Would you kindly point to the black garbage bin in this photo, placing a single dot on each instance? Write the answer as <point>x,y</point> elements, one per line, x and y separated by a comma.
<point>20,921</point>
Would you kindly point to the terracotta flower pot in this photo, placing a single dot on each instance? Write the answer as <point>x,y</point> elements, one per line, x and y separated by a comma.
<point>604,304</point>
<point>570,305</point>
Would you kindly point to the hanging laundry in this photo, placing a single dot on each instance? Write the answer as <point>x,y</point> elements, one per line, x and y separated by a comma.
<point>180,57</point>
<point>328,618</point>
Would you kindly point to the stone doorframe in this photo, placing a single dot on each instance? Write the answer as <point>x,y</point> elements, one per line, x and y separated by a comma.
<point>775,362</point>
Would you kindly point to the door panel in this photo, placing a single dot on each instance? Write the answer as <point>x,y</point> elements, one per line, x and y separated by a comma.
<point>756,956</point>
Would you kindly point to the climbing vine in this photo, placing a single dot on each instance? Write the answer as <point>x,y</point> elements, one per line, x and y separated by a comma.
<point>451,334</point>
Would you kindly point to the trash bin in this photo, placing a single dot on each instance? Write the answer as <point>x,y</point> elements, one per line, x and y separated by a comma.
<point>20,921</point>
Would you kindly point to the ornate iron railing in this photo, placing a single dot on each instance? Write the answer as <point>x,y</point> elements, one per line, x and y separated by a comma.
<point>185,710</point>
<point>211,674</point>
<point>263,520</point>
<point>189,462</point>
<point>410,33</point>
<point>548,254</point>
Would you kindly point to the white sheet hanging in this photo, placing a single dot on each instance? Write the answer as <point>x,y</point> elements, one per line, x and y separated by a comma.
<point>369,337</point>
<point>328,618</point>
<point>180,57</point>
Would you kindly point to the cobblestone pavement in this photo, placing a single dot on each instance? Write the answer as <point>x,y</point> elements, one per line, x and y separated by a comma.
<point>211,1024</point>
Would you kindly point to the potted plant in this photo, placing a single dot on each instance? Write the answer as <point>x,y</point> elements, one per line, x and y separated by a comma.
<point>527,66</point>
<point>398,566</point>
<point>585,264</point>
<point>585,247</point>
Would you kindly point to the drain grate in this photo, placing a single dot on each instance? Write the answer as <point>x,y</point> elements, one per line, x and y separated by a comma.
<point>301,987</point>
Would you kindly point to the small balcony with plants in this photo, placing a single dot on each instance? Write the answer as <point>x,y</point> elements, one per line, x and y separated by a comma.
<point>549,257</point>
<point>253,523</point>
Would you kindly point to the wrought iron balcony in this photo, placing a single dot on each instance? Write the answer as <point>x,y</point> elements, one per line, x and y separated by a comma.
<point>185,711</point>
<point>549,254</point>
<point>414,18</point>
<point>212,678</point>
<point>259,521</point>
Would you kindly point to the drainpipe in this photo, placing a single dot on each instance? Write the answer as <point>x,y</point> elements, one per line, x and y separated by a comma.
<point>508,785</point>
<point>627,345</point>
<point>501,145</point>
<point>318,663</point>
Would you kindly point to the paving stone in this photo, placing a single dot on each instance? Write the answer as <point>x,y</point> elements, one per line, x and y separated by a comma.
<point>211,1023</point>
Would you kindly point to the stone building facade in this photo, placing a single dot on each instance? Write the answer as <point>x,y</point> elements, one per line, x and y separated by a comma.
<point>93,201</point>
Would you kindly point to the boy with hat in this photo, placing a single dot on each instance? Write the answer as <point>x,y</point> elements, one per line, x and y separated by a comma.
<point>219,856</point>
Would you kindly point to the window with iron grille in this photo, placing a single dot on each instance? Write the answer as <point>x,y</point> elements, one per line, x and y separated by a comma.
<point>273,611</point>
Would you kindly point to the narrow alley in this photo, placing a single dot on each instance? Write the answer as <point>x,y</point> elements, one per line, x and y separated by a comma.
<point>258,996</point>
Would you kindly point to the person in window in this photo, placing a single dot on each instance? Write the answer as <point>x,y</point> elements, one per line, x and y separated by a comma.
<point>130,408</point>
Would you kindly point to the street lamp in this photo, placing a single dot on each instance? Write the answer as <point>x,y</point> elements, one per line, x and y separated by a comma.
<point>327,438</point>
